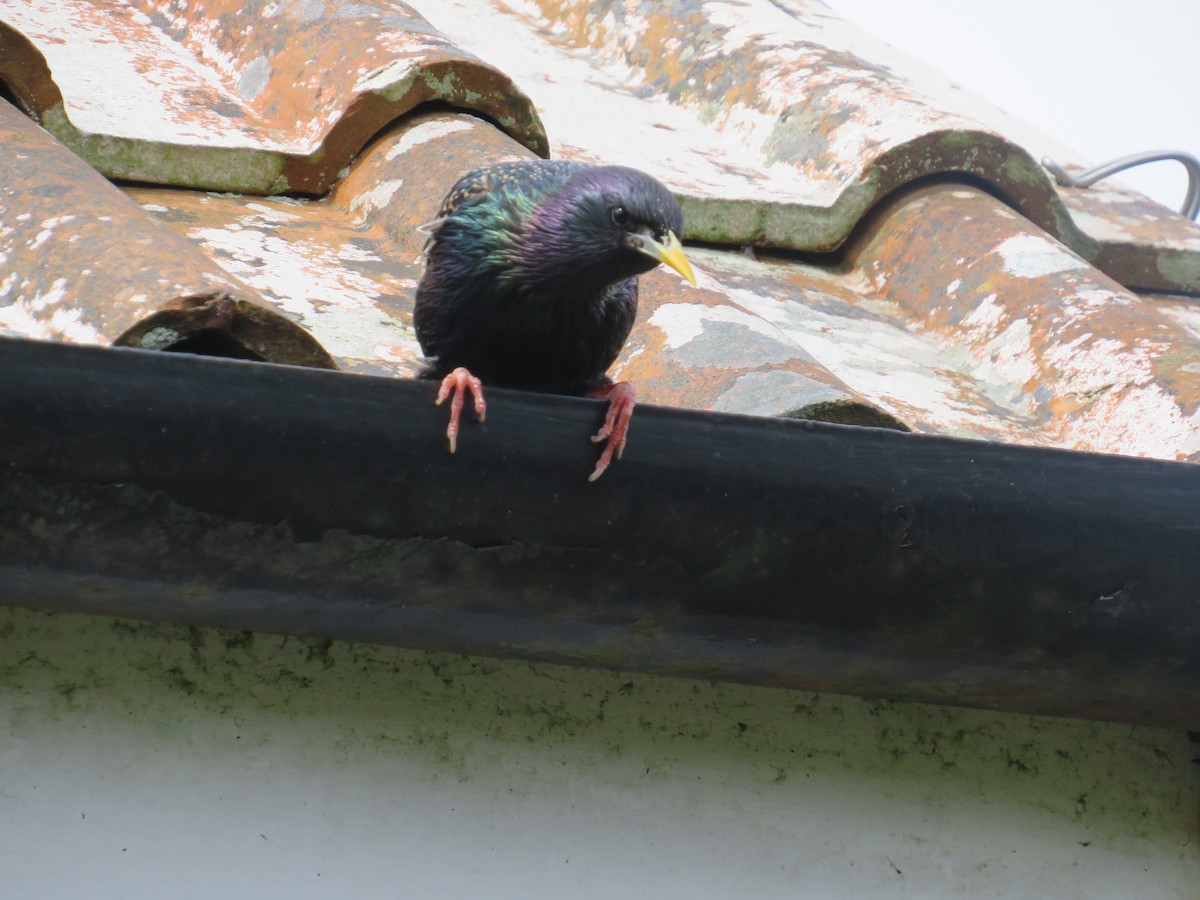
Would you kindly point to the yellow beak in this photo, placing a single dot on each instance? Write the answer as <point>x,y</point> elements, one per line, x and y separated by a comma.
<point>670,251</point>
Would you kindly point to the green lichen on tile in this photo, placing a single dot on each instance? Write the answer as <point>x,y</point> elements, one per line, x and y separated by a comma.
<point>1023,169</point>
<point>233,169</point>
<point>958,140</point>
<point>1071,234</point>
<point>445,87</point>
<point>803,133</point>
<point>399,88</point>
<point>792,226</point>
<point>1180,268</point>
<point>314,159</point>
<point>710,112</point>
<point>799,135</point>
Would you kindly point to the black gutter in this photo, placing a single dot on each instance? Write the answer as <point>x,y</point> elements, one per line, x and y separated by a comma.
<point>768,551</point>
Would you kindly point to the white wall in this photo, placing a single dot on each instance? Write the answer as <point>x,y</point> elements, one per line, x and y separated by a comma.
<point>150,761</point>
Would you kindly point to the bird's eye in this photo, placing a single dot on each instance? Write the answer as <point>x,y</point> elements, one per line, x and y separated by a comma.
<point>620,216</point>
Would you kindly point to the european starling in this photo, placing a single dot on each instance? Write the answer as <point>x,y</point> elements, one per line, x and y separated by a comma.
<point>531,282</point>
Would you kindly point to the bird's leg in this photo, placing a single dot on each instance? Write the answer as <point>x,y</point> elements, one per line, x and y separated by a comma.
<point>460,382</point>
<point>616,424</point>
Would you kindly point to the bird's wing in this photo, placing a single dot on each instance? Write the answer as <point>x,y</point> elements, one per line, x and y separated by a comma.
<point>530,179</point>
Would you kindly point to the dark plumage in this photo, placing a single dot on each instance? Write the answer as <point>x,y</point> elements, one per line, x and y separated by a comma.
<point>531,281</point>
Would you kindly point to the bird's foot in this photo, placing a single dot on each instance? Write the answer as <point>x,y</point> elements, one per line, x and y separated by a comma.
<point>460,382</point>
<point>616,424</point>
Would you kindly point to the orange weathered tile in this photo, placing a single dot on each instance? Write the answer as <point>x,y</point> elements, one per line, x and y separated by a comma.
<point>944,310</point>
<point>82,263</point>
<point>780,124</point>
<point>230,95</point>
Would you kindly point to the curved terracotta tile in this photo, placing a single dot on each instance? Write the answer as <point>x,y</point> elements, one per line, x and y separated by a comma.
<point>1061,348</point>
<point>253,96</point>
<point>1139,242</point>
<point>82,263</point>
<point>949,314</point>
<point>778,123</point>
<point>345,268</point>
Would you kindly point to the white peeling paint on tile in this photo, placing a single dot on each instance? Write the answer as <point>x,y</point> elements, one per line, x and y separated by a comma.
<point>337,305</point>
<point>1109,211</point>
<point>895,369</point>
<point>1084,300</point>
<point>377,197</point>
<point>1006,368</point>
<point>1101,229</point>
<point>624,360</point>
<point>998,354</point>
<point>113,82</point>
<point>69,325</point>
<point>253,78</point>
<point>217,279</point>
<point>922,379</point>
<point>47,231</point>
<point>986,315</point>
<point>271,214</point>
<point>245,82</point>
<point>775,392</point>
<point>1189,448</point>
<point>1088,364</point>
<point>1132,420</point>
<point>26,320</point>
<point>123,77</point>
<point>766,307</point>
<point>40,238</point>
<point>682,323</point>
<point>54,221</point>
<point>399,355</point>
<point>888,365</point>
<point>1033,256</point>
<point>430,131</point>
<point>686,153</point>
<point>721,151</point>
<point>1184,312</point>
<point>54,295</point>
<point>927,81</point>
<point>385,76</point>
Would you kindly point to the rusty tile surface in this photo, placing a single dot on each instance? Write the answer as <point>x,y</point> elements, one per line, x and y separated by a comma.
<point>950,314</point>
<point>1056,345</point>
<point>345,268</point>
<point>255,96</point>
<point>1144,244</point>
<point>80,262</point>
<point>781,124</point>
<point>758,114</point>
<point>944,311</point>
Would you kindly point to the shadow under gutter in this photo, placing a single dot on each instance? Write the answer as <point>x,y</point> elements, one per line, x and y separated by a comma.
<point>769,551</point>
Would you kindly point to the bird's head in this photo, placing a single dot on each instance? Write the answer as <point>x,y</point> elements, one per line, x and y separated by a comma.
<point>603,225</point>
